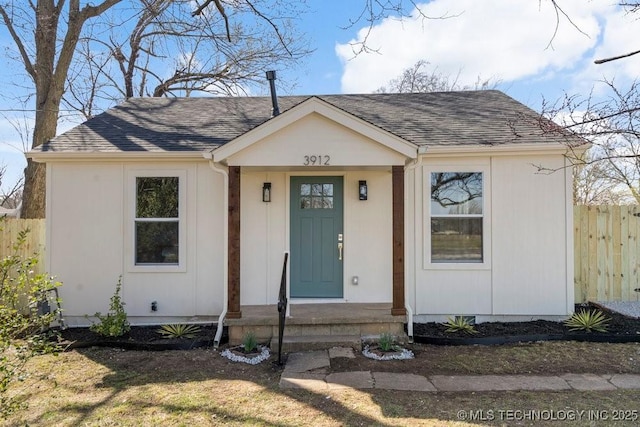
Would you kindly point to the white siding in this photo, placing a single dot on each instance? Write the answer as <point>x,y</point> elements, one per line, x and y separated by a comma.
<point>529,268</point>
<point>315,135</point>
<point>526,273</point>
<point>85,227</point>
<point>265,235</point>
<point>90,222</point>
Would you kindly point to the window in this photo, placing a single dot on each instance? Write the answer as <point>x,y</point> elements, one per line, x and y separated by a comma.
<point>157,220</point>
<point>316,196</point>
<point>457,210</point>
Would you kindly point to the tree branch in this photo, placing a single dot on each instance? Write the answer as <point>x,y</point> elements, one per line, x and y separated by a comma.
<point>614,58</point>
<point>16,38</point>
<point>200,9</point>
<point>275,27</point>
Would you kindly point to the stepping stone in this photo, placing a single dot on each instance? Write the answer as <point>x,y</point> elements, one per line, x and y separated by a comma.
<point>341,352</point>
<point>626,381</point>
<point>396,381</point>
<point>307,361</point>
<point>498,383</point>
<point>587,382</point>
<point>343,380</point>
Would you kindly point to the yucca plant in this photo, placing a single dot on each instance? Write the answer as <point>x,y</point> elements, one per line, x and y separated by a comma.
<point>249,342</point>
<point>588,321</point>
<point>460,324</point>
<point>178,331</point>
<point>385,343</point>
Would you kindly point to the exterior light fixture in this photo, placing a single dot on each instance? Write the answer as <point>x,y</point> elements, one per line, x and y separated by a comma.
<point>362,190</point>
<point>266,192</point>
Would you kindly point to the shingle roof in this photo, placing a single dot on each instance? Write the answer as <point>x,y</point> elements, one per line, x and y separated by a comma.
<point>197,124</point>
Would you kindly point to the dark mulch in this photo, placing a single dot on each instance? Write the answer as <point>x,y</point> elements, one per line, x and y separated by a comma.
<point>138,338</point>
<point>620,328</point>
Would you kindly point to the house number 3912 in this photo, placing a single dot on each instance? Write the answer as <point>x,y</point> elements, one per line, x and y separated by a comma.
<point>317,160</point>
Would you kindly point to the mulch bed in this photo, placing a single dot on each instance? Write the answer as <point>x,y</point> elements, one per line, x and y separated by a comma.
<point>619,329</point>
<point>138,338</point>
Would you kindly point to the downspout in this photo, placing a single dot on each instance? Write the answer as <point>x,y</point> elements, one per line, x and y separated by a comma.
<point>225,236</point>
<point>418,162</point>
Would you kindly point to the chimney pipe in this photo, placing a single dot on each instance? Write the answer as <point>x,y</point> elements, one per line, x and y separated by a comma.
<point>271,76</point>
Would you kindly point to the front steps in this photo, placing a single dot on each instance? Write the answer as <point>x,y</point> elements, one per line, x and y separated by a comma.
<point>318,326</point>
<point>316,342</point>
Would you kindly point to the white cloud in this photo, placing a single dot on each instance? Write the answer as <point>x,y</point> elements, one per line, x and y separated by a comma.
<point>506,40</point>
<point>620,36</point>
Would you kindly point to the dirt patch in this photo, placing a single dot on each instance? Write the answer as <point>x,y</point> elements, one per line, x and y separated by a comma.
<point>536,358</point>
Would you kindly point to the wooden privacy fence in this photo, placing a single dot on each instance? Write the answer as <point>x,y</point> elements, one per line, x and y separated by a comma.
<point>34,243</point>
<point>607,252</point>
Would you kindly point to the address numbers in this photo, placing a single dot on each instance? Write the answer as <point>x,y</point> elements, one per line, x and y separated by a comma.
<point>317,160</point>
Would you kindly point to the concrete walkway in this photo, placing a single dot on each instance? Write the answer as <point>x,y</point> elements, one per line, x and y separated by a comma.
<point>311,370</point>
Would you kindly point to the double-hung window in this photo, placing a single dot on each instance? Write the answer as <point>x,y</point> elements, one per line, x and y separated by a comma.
<point>456,215</point>
<point>157,221</point>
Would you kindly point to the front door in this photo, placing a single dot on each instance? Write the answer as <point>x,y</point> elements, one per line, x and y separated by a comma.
<point>316,236</point>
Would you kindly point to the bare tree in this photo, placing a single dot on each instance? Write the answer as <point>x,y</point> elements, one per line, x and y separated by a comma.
<point>418,79</point>
<point>10,197</point>
<point>36,31</point>
<point>212,53</point>
<point>612,126</point>
<point>47,34</point>
<point>375,11</point>
<point>593,184</point>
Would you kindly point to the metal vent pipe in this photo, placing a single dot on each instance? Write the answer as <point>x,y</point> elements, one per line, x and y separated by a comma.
<point>271,76</point>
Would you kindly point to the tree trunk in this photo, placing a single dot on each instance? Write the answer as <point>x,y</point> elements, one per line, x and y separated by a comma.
<point>49,78</point>
<point>33,201</point>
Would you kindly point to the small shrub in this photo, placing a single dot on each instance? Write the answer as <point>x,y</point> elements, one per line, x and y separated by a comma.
<point>588,321</point>
<point>460,324</point>
<point>25,319</point>
<point>179,331</point>
<point>114,323</point>
<point>249,342</point>
<point>386,342</point>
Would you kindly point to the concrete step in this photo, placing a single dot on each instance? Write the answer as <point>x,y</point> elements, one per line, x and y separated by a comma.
<point>298,343</point>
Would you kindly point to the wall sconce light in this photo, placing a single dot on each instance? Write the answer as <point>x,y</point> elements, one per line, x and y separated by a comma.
<point>266,192</point>
<point>362,190</point>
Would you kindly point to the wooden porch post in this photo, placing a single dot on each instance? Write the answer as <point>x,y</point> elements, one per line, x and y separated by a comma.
<point>233,302</point>
<point>397,307</point>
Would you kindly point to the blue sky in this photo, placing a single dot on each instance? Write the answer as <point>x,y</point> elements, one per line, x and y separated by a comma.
<point>509,41</point>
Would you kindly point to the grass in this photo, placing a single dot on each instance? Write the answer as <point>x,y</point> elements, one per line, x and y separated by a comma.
<point>105,387</point>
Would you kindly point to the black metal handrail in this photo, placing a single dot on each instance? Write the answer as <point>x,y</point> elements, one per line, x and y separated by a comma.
<point>282,306</point>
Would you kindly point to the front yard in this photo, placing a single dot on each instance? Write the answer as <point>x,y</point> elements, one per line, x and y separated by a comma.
<point>107,387</point>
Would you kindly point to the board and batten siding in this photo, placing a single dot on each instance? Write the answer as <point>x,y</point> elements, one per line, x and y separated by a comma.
<point>526,218</point>
<point>367,235</point>
<point>90,208</point>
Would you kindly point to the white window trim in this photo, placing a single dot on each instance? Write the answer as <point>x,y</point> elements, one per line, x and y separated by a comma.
<point>130,241</point>
<point>486,216</point>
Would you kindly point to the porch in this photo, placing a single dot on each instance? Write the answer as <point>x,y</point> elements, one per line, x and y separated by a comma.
<point>317,326</point>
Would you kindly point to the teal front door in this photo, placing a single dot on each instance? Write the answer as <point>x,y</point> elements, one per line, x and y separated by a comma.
<point>316,237</point>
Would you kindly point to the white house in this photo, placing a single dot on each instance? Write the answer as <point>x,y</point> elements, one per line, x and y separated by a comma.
<point>429,203</point>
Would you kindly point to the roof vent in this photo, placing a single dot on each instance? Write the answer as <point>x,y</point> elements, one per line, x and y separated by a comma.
<point>271,76</point>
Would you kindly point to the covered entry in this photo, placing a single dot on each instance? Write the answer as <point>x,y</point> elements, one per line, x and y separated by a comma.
<point>342,248</point>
